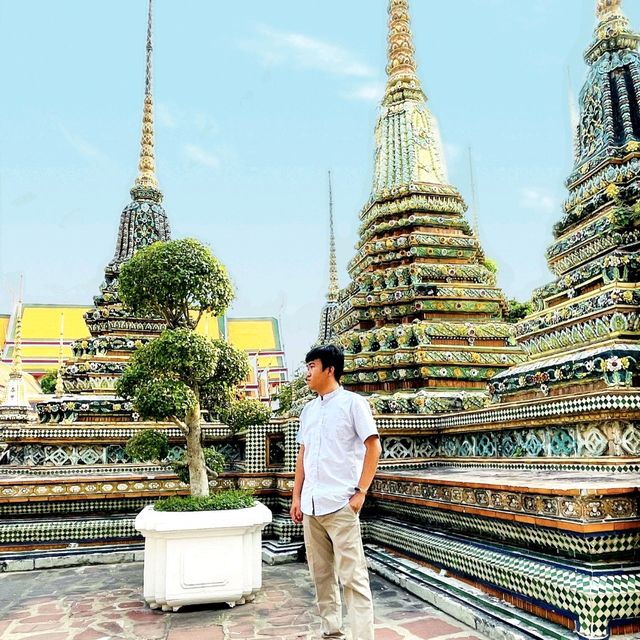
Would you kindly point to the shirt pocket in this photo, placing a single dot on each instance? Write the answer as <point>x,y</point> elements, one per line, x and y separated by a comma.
<point>342,429</point>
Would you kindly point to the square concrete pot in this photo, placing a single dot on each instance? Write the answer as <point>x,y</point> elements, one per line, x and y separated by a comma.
<point>202,556</point>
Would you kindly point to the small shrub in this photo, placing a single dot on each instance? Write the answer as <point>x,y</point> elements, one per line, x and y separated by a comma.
<point>518,310</point>
<point>491,265</point>
<point>148,445</point>
<point>245,413</point>
<point>48,381</point>
<point>230,499</point>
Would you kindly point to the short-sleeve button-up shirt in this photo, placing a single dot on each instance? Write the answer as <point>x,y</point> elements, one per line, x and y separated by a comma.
<point>333,429</point>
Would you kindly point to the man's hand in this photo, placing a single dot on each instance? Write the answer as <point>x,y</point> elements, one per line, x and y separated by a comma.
<point>295,512</point>
<point>356,501</point>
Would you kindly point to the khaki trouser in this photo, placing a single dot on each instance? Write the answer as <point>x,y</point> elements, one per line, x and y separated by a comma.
<point>334,551</point>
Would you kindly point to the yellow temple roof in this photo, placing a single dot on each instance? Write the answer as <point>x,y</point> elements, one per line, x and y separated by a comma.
<point>41,324</point>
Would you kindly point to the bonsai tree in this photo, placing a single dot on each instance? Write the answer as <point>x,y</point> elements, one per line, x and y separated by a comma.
<point>181,373</point>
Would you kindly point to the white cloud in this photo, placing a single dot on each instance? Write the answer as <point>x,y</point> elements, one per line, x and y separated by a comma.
<point>453,152</point>
<point>165,116</point>
<point>83,147</point>
<point>371,92</point>
<point>302,51</point>
<point>539,200</point>
<point>201,156</point>
<point>174,118</point>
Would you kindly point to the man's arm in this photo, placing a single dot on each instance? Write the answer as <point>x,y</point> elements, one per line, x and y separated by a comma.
<point>373,449</point>
<point>295,512</point>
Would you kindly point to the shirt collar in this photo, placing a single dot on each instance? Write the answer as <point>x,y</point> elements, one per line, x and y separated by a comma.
<point>327,396</point>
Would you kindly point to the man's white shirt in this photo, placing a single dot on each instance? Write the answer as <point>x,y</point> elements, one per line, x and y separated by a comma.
<point>333,429</point>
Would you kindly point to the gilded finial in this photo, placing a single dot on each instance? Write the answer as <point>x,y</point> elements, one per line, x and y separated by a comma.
<point>612,32</point>
<point>401,66</point>
<point>147,166</point>
<point>608,8</point>
<point>59,391</point>
<point>332,294</point>
<point>16,364</point>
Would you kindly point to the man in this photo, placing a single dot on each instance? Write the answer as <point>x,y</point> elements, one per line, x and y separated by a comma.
<point>338,457</point>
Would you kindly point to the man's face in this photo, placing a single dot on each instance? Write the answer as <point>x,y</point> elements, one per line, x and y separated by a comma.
<point>317,378</point>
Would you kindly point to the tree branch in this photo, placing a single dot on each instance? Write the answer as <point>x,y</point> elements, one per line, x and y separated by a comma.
<point>181,425</point>
<point>198,318</point>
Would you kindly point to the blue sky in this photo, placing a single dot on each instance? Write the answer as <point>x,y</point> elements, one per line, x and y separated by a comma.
<point>255,101</point>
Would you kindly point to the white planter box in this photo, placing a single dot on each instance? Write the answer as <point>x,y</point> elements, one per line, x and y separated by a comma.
<point>202,556</point>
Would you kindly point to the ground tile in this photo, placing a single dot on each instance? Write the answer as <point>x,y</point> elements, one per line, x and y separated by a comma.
<point>388,634</point>
<point>98,603</point>
<point>429,628</point>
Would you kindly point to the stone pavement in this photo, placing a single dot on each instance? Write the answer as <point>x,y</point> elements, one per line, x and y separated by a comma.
<point>104,603</point>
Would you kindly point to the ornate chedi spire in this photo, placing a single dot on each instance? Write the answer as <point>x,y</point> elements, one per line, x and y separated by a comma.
<point>421,322</point>
<point>326,334</point>
<point>115,334</point>
<point>334,288</point>
<point>15,404</point>
<point>143,221</point>
<point>408,147</point>
<point>585,329</point>
<point>147,165</point>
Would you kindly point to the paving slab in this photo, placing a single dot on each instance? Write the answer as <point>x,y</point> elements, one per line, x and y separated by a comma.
<point>105,603</point>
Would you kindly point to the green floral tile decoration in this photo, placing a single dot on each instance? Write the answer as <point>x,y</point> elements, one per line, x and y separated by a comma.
<point>422,320</point>
<point>585,327</point>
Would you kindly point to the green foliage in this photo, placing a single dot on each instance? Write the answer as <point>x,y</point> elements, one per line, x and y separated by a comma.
<point>242,414</point>
<point>180,373</point>
<point>148,445</point>
<point>48,381</point>
<point>214,460</point>
<point>491,265</point>
<point>626,218</point>
<point>172,279</point>
<point>518,310</point>
<point>289,391</point>
<point>168,375</point>
<point>230,499</point>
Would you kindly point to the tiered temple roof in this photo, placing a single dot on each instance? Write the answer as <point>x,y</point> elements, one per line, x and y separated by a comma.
<point>422,321</point>
<point>583,334</point>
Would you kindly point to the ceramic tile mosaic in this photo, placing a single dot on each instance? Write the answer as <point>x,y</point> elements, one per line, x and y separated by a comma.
<point>593,598</point>
<point>533,536</point>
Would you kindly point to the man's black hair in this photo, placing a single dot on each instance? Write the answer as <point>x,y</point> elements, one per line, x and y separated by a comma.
<point>330,356</point>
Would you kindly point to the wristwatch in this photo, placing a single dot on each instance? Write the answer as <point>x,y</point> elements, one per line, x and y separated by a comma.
<point>359,490</point>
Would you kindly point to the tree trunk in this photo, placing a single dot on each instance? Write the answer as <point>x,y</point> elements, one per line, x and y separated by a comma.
<point>198,480</point>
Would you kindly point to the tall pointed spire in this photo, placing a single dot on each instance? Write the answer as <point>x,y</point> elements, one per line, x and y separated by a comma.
<point>147,165</point>
<point>143,221</point>
<point>332,294</point>
<point>16,365</point>
<point>403,81</point>
<point>408,146</point>
<point>15,404</point>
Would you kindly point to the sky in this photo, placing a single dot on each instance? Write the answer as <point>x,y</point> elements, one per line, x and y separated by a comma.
<point>255,102</point>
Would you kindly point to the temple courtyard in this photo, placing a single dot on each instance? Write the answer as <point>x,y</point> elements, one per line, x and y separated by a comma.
<point>105,603</point>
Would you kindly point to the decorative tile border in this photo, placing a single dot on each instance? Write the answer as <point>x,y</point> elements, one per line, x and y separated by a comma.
<point>586,505</point>
<point>593,598</point>
<point>590,546</point>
